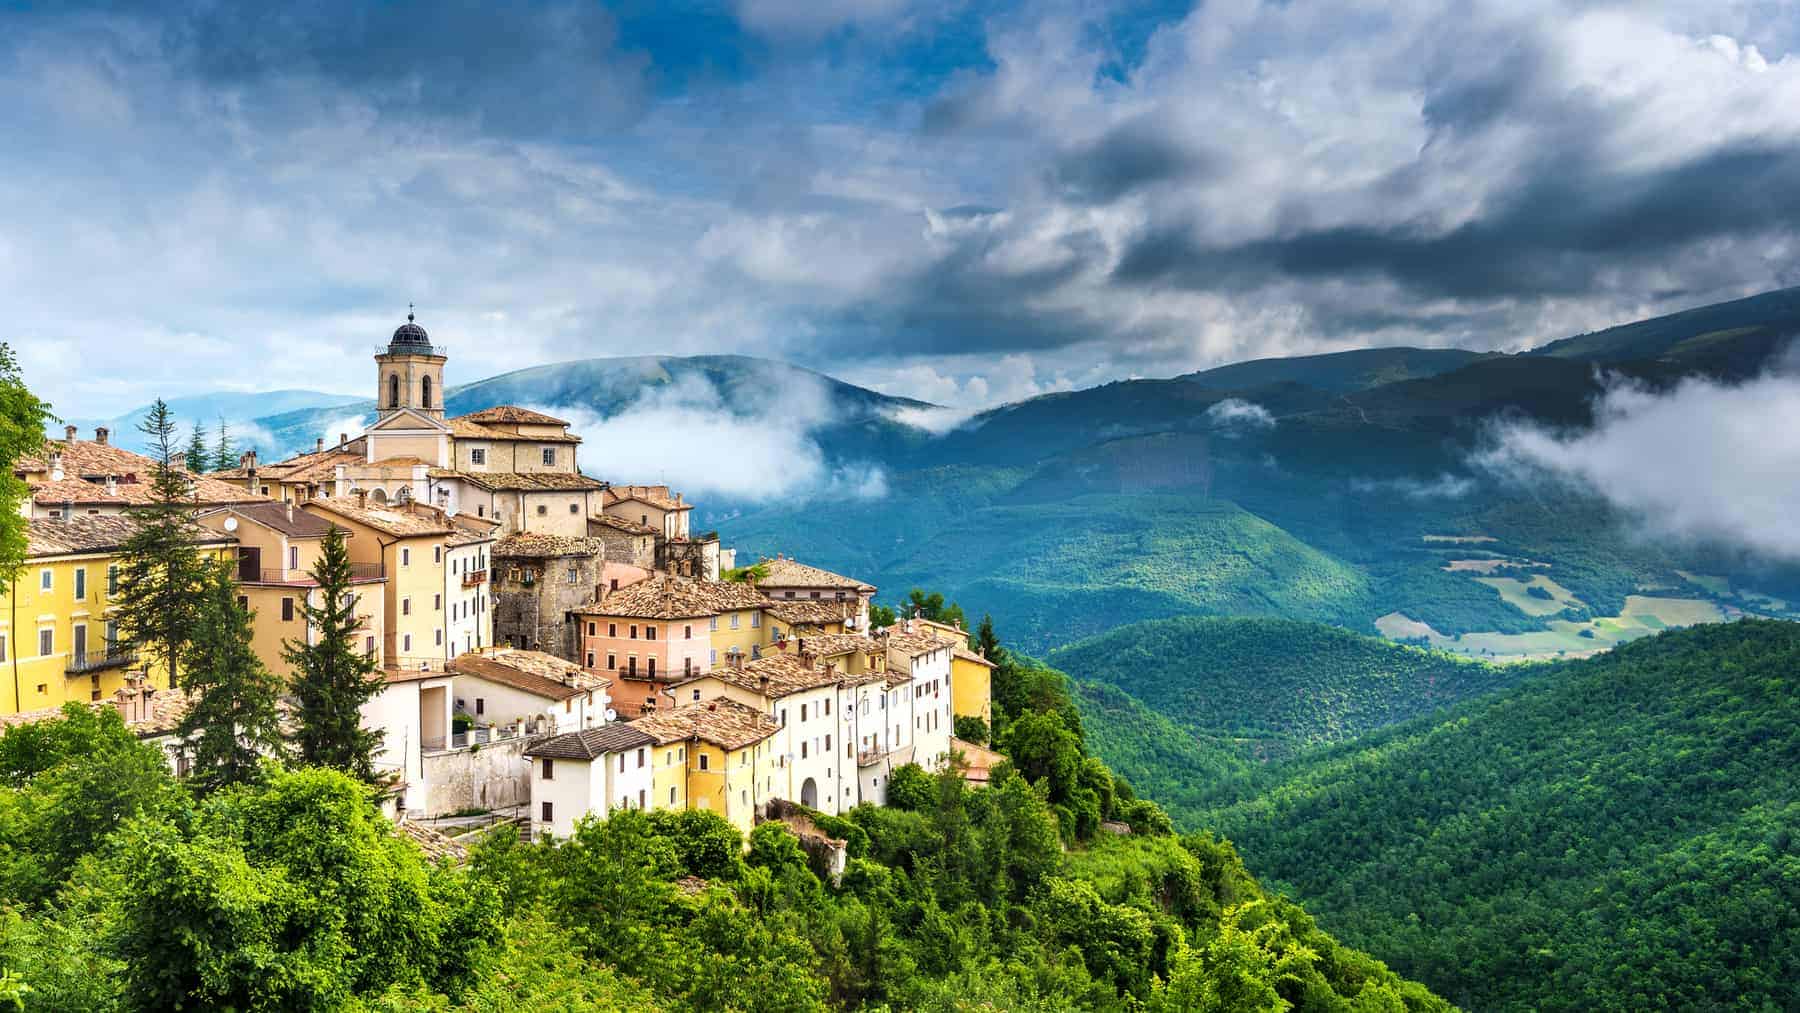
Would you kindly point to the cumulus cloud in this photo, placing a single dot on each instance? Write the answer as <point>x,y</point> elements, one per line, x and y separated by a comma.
<point>1237,412</point>
<point>688,435</point>
<point>1702,461</point>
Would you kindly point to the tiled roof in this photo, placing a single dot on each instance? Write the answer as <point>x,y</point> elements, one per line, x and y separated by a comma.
<point>911,644</point>
<point>786,673</point>
<point>312,466</point>
<point>590,743</point>
<point>282,517</point>
<point>724,723</point>
<point>830,645</point>
<point>527,545</point>
<point>962,653</point>
<point>464,428</point>
<point>802,611</point>
<point>387,519</point>
<point>167,708</point>
<point>657,496</point>
<point>663,596</point>
<point>522,481</point>
<point>513,413</point>
<point>62,536</point>
<point>435,845</point>
<point>534,672</point>
<point>784,572</point>
<point>86,465</point>
<point>621,524</point>
<point>401,461</point>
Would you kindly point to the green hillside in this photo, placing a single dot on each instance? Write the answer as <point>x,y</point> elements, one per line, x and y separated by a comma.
<point>1269,688</point>
<point>1621,832</point>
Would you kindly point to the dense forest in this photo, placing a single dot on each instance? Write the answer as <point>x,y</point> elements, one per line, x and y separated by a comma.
<point>1268,688</point>
<point>1619,832</point>
<point>122,887</point>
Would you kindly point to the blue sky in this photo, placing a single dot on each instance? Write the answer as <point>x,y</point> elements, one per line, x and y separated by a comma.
<point>964,203</point>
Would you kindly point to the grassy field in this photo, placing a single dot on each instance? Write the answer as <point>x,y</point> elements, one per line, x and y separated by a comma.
<point>1517,594</point>
<point>1642,616</point>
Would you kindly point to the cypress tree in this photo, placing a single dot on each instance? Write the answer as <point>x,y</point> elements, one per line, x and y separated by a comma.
<point>233,721</point>
<point>987,642</point>
<point>160,572</point>
<point>224,452</point>
<point>332,678</point>
<point>198,459</point>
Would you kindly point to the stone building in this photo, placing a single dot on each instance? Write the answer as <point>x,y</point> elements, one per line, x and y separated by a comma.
<point>537,580</point>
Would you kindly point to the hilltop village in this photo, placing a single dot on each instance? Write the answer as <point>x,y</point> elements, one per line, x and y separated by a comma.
<point>548,642</point>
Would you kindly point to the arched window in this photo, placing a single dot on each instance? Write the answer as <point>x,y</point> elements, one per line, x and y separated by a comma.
<point>425,392</point>
<point>393,390</point>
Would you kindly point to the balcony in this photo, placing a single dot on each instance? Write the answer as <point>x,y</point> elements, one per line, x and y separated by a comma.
<point>474,578</point>
<point>84,664</point>
<point>285,577</point>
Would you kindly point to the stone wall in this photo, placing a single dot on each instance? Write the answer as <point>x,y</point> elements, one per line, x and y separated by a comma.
<point>532,610</point>
<point>490,776</point>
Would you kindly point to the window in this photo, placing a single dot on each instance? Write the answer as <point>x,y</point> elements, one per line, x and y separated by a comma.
<point>803,712</point>
<point>369,646</point>
<point>612,661</point>
<point>687,633</point>
<point>640,757</point>
<point>46,642</point>
<point>481,705</point>
<point>478,455</point>
<point>653,666</point>
<point>44,580</point>
<point>112,580</point>
<point>784,715</point>
<point>590,629</point>
<point>696,696</point>
<point>437,603</point>
<point>287,610</point>
<point>406,643</point>
<point>405,557</point>
<point>574,508</point>
<point>704,761</point>
<point>549,769</point>
<point>734,620</point>
<point>2,647</point>
<point>439,637</point>
<point>633,631</point>
<point>549,456</point>
<point>574,575</point>
<point>714,660</point>
<point>640,798</point>
<point>649,633</point>
<point>425,402</point>
<point>713,624</point>
<point>631,664</point>
<point>548,809</point>
<point>480,508</point>
<point>437,553</point>
<point>590,659</point>
<point>803,749</point>
<point>755,620</point>
<point>671,794</point>
<point>815,594</point>
<point>828,743</point>
<point>80,583</point>
<point>828,706</point>
<point>406,606</point>
<point>293,557</point>
<point>543,510</point>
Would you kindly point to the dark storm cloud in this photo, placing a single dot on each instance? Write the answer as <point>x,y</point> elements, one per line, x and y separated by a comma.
<point>1137,154</point>
<point>1554,236</point>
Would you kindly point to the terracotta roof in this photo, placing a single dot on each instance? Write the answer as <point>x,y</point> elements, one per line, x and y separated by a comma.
<point>657,496</point>
<point>831,645</point>
<point>663,596</point>
<point>167,708</point>
<point>897,638</point>
<point>312,466</point>
<point>724,723</point>
<point>464,428</point>
<point>282,517</point>
<point>801,611</point>
<point>621,524</point>
<point>63,536</point>
<point>590,743</point>
<point>522,481</point>
<point>526,545</point>
<point>962,653</point>
<point>387,519</point>
<point>86,465</point>
<point>435,845</point>
<point>534,672</point>
<point>784,572</point>
<point>512,413</point>
<point>786,673</point>
<point>402,461</point>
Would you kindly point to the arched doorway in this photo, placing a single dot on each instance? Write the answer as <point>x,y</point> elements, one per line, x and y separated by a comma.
<point>809,794</point>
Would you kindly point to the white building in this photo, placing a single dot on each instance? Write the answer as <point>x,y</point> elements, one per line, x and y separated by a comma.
<point>913,648</point>
<point>468,595</point>
<point>503,686</point>
<point>594,771</point>
<point>412,712</point>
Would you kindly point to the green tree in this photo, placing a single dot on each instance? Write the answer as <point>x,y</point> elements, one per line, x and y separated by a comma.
<point>880,616</point>
<point>971,728</point>
<point>22,418</point>
<point>332,677</point>
<point>933,607</point>
<point>911,789</point>
<point>197,458</point>
<point>987,642</point>
<point>233,720</point>
<point>160,572</point>
<point>224,451</point>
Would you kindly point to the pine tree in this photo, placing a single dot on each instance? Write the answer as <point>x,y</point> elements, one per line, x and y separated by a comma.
<point>332,678</point>
<point>987,642</point>
<point>198,458</point>
<point>22,418</point>
<point>160,572</point>
<point>224,452</point>
<point>233,721</point>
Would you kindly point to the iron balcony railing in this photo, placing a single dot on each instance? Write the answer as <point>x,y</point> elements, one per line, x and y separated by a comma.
<point>303,578</point>
<point>81,664</point>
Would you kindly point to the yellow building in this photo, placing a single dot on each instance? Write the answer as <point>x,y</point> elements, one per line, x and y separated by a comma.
<point>277,548</point>
<point>718,757</point>
<point>408,543</point>
<point>57,642</point>
<point>971,675</point>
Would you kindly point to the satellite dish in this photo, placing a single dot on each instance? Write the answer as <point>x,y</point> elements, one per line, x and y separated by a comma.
<point>611,715</point>
<point>231,524</point>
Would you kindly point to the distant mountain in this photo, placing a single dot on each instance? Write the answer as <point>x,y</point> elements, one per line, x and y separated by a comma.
<point>236,408</point>
<point>1742,333</point>
<point>1616,833</point>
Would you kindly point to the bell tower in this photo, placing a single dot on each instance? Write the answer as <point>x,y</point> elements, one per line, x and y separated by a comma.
<point>410,374</point>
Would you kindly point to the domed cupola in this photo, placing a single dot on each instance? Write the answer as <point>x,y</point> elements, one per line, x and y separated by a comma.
<point>410,336</point>
<point>410,372</point>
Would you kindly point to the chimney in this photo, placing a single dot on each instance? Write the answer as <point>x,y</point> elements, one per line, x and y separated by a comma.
<point>100,435</point>
<point>763,684</point>
<point>56,472</point>
<point>362,497</point>
<point>290,511</point>
<point>69,433</point>
<point>343,438</point>
<point>319,446</point>
<point>112,484</point>
<point>247,460</point>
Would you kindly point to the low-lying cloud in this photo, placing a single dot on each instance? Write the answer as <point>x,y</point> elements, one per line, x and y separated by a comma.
<point>687,436</point>
<point>1704,461</point>
<point>1234,411</point>
<point>1444,486</point>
